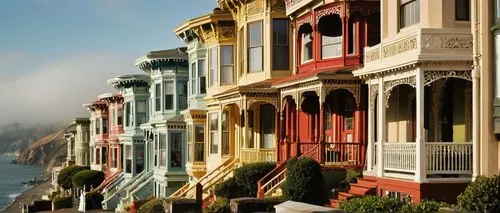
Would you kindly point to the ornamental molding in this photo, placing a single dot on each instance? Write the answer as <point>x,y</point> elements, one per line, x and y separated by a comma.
<point>400,47</point>
<point>329,11</point>
<point>431,76</point>
<point>254,7</point>
<point>342,82</point>
<point>278,6</point>
<point>446,65</point>
<point>226,32</point>
<point>354,90</point>
<point>373,96</point>
<point>372,55</point>
<point>305,19</point>
<point>273,102</point>
<point>447,41</point>
<point>389,85</point>
<point>225,105</point>
<point>176,126</point>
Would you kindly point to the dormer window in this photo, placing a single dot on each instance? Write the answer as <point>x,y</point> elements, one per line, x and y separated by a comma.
<point>306,39</point>
<point>255,47</point>
<point>169,95</point>
<point>226,62</point>
<point>330,28</point>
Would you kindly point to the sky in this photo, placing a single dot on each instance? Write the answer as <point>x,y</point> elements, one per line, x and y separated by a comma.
<point>56,55</point>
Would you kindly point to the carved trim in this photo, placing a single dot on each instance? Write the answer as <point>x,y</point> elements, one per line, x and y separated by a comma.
<point>373,96</point>
<point>389,85</point>
<point>400,47</point>
<point>303,20</point>
<point>447,41</point>
<point>329,11</point>
<point>431,76</point>
<point>355,91</point>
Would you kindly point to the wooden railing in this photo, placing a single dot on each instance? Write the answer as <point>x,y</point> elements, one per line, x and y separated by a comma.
<point>308,149</point>
<point>208,180</point>
<point>250,155</point>
<point>272,181</point>
<point>343,154</point>
<point>400,157</point>
<point>109,180</point>
<point>449,158</point>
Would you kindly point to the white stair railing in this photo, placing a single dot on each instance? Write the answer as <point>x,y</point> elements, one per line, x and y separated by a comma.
<point>400,157</point>
<point>449,158</point>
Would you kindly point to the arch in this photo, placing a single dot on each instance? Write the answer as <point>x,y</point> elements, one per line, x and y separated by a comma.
<point>285,100</point>
<point>309,102</point>
<point>305,37</point>
<point>432,76</point>
<point>401,114</point>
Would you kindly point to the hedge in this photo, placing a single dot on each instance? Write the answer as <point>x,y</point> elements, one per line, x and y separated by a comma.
<point>152,206</point>
<point>89,178</point>
<point>482,195</point>
<point>387,204</point>
<point>304,182</point>
<point>62,202</point>
<point>64,177</point>
<point>93,200</point>
<point>244,181</point>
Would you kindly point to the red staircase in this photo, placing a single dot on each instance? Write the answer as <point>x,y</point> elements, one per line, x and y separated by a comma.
<point>364,186</point>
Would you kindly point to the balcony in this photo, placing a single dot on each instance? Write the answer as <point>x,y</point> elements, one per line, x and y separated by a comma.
<point>250,155</point>
<point>418,44</point>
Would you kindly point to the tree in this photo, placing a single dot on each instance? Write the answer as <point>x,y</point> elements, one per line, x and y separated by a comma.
<point>88,178</point>
<point>64,177</point>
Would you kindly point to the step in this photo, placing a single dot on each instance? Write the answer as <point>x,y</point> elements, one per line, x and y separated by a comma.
<point>370,178</point>
<point>367,183</point>
<point>334,203</point>
<point>359,189</point>
<point>344,196</point>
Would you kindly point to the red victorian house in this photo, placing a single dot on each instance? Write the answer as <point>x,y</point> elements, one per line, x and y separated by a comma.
<point>323,106</point>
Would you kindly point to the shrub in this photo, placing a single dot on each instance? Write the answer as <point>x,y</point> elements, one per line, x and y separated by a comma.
<point>371,204</point>
<point>93,200</point>
<point>229,189</point>
<point>64,177</point>
<point>221,205</point>
<point>88,178</point>
<point>304,181</point>
<point>425,206</point>
<point>62,202</point>
<point>249,174</point>
<point>352,175</point>
<point>152,206</point>
<point>482,195</point>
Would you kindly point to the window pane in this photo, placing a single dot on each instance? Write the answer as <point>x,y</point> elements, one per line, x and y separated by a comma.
<point>462,10</point>
<point>169,101</point>
<point>409,13</point>
<point>307,47</point>
<point>281,52</point>
<point>255,59</point>
<point>227,64</point>
<point>157,97</point>
<point>183,95</point>
<point>175,153</point>
<point>213,66</point>
<point>139,161</point>
<point>214,140</point>
<point>193,78</point>
<point>255,33</point>
<point>226,55</point>
<point>163,150</point>
<point>331,46</point>
<point>199,142</point>
<point>141,106</point>
<point>201,75</point>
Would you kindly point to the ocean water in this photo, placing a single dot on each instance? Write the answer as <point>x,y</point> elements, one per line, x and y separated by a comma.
<point>11,178</point>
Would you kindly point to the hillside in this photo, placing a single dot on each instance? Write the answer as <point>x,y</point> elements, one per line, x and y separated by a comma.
<point>16,137</point>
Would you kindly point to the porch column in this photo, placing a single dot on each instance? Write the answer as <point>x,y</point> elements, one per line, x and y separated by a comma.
<point>321,138</point>
<point>277,134</point>
<point>297,130</point>
<point>420,170</point>
<point>475,124</point>
<point>369,145</point>
<point>381,128</point>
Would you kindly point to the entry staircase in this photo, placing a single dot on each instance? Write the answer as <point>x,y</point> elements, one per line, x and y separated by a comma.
<point>110,191</point>
<point>208,181</point>
<point>363,186</point>
<point>109,180</point>
<point>114,192</point>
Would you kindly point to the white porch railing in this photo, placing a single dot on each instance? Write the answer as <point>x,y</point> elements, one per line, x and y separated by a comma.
<point>250,155</point>
<point>400,157</point>
<point>449,158</point>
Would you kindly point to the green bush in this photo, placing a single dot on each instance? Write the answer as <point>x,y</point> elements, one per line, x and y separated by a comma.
<point>249,174</point>
<point>229,189</point>
<point>62,202</point>
<point>152,206</point>
<point>88,178</point>
<point>482,195</point>
<point>64,177</point>
<point>425,206</point>
<point>221,205</point>
<point>371,204</point>
<point>353,175</point>
<point>93,200</point>
<point>304,181</point>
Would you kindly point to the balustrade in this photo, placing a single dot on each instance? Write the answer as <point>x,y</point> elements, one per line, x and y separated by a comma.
<point>343,154</point>
<point>250,155</point>
<point>449,158</point>
<point>400,157</point>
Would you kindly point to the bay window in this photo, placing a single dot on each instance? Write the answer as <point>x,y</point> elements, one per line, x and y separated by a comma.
<point>157,97</point>
<point>202,76</point>
<point>105,126</point>
<point>175,150</point>
<point>199,147</point>
<point>330,28</point>
<point>189,141</point>
<point>214,133</point>
<point>409,12</point>
<point>213,66</point>
<point>98,126</point>
<point>163,150</point>
<point>225,132</point>
<point>241,50</point>
<point>281,52</point>
<point>226,61</point>
<point>306,42</point>
<point>351,36</point>
<point>255,47</point>
<point>141,116</point>
<point>193,78</point>
<point>119,120</point>
<point>182,95</point>
<point>129,114</point>
<point>169,95</point>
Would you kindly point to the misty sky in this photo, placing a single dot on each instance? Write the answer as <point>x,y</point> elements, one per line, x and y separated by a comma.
<point>56,55</point>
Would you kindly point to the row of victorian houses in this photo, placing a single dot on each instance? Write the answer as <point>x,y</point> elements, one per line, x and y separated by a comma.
<point>404,90</point>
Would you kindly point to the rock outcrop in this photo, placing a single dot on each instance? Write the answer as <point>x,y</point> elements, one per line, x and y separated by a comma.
<point>48,151</point>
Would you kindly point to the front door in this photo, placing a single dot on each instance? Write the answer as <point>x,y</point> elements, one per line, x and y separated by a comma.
<point>267,117</point>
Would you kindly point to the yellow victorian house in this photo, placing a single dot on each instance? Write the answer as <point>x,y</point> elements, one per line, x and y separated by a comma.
<point>247,45</point>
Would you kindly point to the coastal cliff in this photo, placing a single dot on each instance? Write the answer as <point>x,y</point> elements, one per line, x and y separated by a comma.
<point>48,151</point>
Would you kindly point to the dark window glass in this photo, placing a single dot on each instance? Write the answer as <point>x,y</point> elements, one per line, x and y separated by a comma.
<point>281,52</point>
